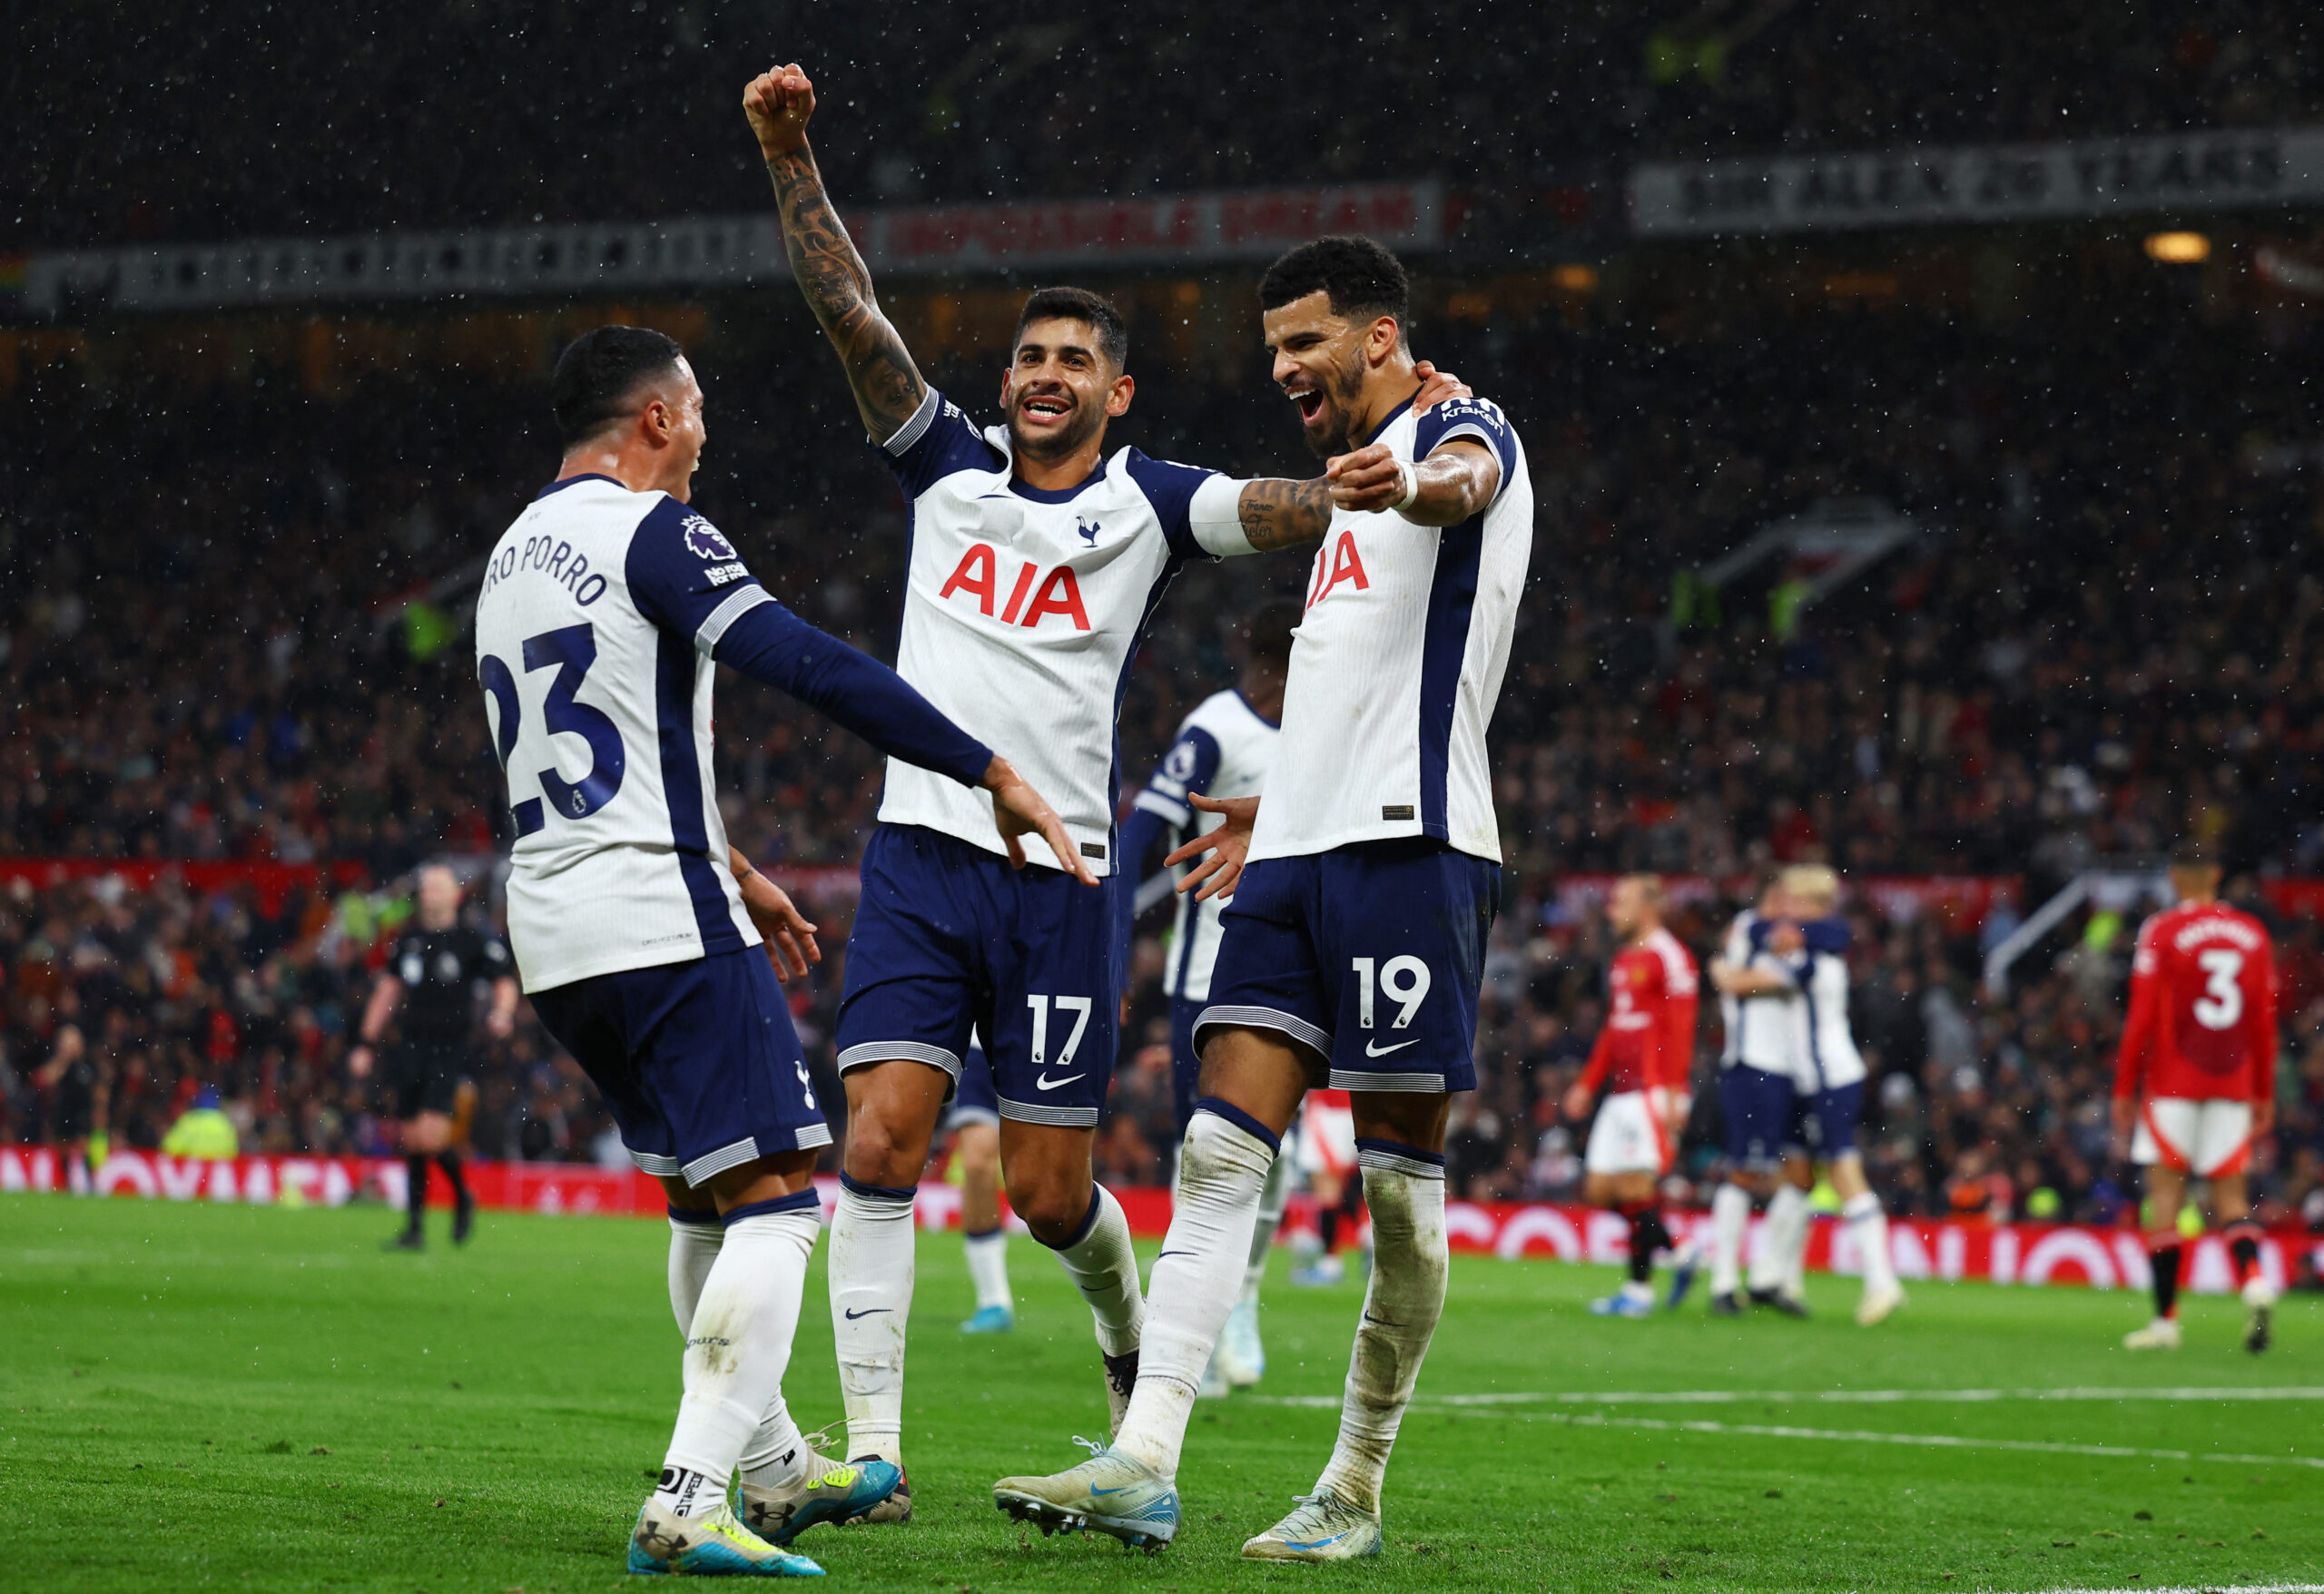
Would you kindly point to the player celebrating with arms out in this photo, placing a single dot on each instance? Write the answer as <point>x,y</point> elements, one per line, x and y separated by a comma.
<point>1353,949</point>
<point>1647,1046</point>
<point>1035,560</point>
<point>603,614</point>
<point>2197,1076</point>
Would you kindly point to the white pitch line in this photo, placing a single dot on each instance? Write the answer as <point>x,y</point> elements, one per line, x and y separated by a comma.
<point>2204,1589</point>
<point>1737,1397</point>
<point>1930,1441</point>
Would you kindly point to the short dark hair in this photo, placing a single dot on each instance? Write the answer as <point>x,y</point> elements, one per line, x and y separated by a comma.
<point>1079,304</point>
<point>600,371</point>
<point>1269,628</point>
<point>1361,278</point>
<point>2193,852</point>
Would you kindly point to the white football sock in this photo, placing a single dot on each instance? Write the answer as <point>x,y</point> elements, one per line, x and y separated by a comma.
<point>1103,1265</point>
<point>871,1285</point>
<point>988,1255</point>
<point>1730,1219</point>
<point>1404,1189</point>
<point>1270,1219</point>
<point>1865,1214</point>
<point>1197,1277</point>
<point>693,1248</point>
<point>1786,1226</point>
<point>736,1351</point>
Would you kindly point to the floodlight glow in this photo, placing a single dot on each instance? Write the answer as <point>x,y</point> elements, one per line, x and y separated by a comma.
<point>2177,249</point>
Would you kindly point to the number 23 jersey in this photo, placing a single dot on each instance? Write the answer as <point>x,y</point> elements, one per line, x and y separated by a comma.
<point>595,628</point>
<point>2202,1018</point>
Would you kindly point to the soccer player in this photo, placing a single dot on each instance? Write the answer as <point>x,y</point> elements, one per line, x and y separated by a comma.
<point>1035,560</point>
<point>1829,1094</point>
<point>638,933</point>
<point>2197,1076</point>
<point>431,978</point>
<point>1646,1047</point>
<point>1757,1082</point>
<point>974,1122</point>
<point>1353,948</point>
<point>1223,750</point>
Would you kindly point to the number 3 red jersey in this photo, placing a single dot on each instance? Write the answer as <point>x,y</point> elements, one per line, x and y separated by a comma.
<point>2202,1021</point>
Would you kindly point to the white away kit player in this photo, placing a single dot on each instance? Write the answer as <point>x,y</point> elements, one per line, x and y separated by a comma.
<point>1224,750</point>
<point>1354,944</point>
<point>638,933</point>
<point>1035,560</point>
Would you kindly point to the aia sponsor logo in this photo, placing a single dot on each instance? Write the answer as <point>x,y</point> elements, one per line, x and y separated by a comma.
<point>1335,565</point>
<point>1033,595</point>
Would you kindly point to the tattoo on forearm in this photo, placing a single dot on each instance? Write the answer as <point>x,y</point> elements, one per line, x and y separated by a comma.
<point>838,287</point>
<point>1281,514</point>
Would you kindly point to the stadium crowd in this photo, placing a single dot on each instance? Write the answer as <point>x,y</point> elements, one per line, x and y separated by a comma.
<point>2099,639</point>
<point>470,112</point>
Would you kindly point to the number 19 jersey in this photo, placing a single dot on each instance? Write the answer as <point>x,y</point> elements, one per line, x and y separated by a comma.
<point>595,627</point>
<point>1398,659</point>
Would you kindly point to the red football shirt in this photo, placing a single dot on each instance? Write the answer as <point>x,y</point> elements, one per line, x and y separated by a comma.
<point>2202,1021</point>
<point>1649,1036</point>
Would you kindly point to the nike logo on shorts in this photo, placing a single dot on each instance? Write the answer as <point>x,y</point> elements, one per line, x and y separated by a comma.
<point>853,1313</point>
<point>1046,1083</point>
<point>1373,1049</point>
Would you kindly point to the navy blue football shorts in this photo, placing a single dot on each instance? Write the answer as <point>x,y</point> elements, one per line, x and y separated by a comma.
<point>698,1061</point>
<point>1758,1106</point>
<point>1370,955</point>
<point>1822,1122</point>
<point>973,1101</point>
<point>948,939</point>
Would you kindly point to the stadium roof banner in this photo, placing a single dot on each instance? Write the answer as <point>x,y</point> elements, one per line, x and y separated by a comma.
<point>2243,168</point>
<point>710,252</point>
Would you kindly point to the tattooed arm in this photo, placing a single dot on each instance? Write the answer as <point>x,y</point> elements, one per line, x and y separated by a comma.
<point>888,387</point>
<point>1273,513</point>
<point>1280,514</point>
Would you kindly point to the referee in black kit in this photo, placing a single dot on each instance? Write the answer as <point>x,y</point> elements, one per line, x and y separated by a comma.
<point>432,975</point>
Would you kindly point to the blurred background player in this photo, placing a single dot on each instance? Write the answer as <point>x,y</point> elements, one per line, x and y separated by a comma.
<point>1829,1103</point>
<point>1352,953</point>
<point>974,1121</point>
<point>1223,750</point>
<point>2197,1076</point>
<point>429,986</point>
<point>1646,1051</point>
<point>1758,1070</point>
<point>76,1092</point>
<point>650,949</point>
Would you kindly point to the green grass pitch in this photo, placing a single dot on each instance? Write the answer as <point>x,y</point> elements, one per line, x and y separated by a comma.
<point>258,1399</point>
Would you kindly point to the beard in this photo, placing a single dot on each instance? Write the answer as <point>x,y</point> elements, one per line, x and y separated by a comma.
<point>1044,448</point>
<point>1343,387</point>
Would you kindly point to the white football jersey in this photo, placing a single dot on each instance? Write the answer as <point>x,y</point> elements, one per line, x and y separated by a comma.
<point>1825,1055</point>
<point>1224,750</point>
<point>1763,1032</point>
<point>594,631</point>
<point>1397,662</point>
<point>1023,610</point>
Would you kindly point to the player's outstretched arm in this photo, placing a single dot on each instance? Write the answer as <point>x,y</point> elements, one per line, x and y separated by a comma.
<point>1228,846</point>
<point>1454,483</point>
<point>888,386</point>
<point>1279,513</point>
